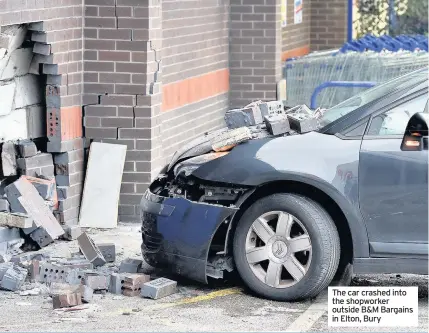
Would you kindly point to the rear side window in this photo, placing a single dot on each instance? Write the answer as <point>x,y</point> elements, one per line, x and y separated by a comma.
<point>394,121</point>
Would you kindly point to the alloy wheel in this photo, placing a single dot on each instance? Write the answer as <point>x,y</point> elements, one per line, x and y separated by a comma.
<point>278,249</point>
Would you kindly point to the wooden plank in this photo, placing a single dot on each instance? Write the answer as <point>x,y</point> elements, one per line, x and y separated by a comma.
<point>99,207</point>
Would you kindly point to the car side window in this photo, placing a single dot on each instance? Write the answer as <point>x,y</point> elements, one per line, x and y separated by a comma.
<point>394,121</point>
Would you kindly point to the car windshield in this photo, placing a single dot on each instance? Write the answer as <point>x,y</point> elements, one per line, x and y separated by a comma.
<point>370,95</point>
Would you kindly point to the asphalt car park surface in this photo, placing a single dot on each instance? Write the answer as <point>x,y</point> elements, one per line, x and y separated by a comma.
<point>196,307</point>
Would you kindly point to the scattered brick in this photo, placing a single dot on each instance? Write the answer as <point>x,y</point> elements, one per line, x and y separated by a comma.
<point>72,232</point>
<point>41,237</point>
<point>130,265</point>
<point>116,281</point>
<point>96,281</point>
<point>87,294</point>
<point>27,148</point>
<point>133,283</point>
<point>108,250</point>
<point>13,278</point>
<point>159,288</point>
<point>15,220</point>
<point>66,300</point>
<point>90,250</point>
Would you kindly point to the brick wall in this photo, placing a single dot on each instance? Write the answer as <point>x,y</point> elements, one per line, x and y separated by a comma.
<point>55,28</point>
<point>122,99</point>
<point>61,32</point>
<point>255,50</point>
<point>328,24</point>
<point>195,72</point>
<point>296,37</point>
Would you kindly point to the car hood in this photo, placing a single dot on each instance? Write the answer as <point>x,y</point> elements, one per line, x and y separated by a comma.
<point>203,144</point>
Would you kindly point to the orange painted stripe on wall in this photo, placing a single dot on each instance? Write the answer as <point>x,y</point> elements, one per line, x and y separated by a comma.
<point>298,52</point>
<point>194,89</point>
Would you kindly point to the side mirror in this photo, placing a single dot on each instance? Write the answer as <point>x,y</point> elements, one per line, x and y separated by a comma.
<point>416,133</point>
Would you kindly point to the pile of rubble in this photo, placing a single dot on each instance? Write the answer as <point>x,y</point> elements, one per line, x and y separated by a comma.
<point>73,281</point>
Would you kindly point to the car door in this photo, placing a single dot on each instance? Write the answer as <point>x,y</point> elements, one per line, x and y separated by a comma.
<point>393,184</point>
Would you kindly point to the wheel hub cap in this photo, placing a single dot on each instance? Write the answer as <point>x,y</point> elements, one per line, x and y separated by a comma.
<point>279,249</point>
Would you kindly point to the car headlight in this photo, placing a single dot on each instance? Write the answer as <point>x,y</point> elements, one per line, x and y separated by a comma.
<point>190,165</point>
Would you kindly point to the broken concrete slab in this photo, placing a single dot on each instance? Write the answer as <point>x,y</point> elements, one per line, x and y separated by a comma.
<point>15,220</point>
<point>7,95</point>
<point>90,250</point>
<point>13,278</point>
<point>45,187</point>
<point>99,208</point>
<point>8,159</point>
<point>159,288</point>
<point>108,250</point>
<point>26,194</point>
<point>231,138</point>
<point>130,265</point>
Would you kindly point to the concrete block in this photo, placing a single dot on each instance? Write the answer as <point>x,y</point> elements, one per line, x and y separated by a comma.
<point>26,148</point>
<point>130,265</point>
<point>71,232</point>
<point>159,288</point>
<point>18,64</point>
<point>4,205</point>
<point>8,234</point>
<point>26,194</point>
<point>4,266</point>
<point>28,91</point>
<point>15,220</point>
<point>37,61</point>
<point>7,95</point>
<point>108,250</point>
<point>31,121</point>
<point>65,192</point>
<point>69,168</point>
<point>36,26</point>
<point>41,237</point>
<point>57,272</point>
<point>90,250</point>
<point>116,281</point>
<point>271,108</point>
<point>96,281</point>
<point>53,79</point>
<point>13,278</point>
<point>41,37</point>
<point>50,69</point>
<point>8,159</point>
<point>69,203</point>
<point>13,36</point>
<point>66,300</point>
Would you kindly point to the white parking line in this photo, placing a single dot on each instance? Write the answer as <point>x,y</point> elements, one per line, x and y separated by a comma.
<point>316,310</point>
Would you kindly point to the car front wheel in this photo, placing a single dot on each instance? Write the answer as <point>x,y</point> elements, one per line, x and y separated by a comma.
<point>286,247</point>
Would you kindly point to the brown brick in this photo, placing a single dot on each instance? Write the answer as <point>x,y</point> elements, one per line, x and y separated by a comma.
<point>117,100</point>
<point>114,56</point>
<point>132,45</point>
<point>131,89</point>
<point>115,77</point>
<point>97,66</point>
<point>106,11</point>
<point>124,34</point>
<point>133,133</point>
<point>100,111</point>
<point>98,22</point>
<point>100,133</point>
<point>124,67</point>
<point>117,122</point>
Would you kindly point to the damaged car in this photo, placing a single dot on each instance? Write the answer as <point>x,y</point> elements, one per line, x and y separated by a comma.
<point>290,197</point>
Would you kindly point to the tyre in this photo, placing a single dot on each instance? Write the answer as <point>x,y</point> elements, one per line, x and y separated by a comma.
<point>146,267</point>
<point>286,247</point>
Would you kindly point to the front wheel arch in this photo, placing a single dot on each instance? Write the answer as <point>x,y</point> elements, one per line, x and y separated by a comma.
<point>311,192</point>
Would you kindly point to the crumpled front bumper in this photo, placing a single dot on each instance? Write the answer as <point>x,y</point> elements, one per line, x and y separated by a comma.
<point>177,233</point>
